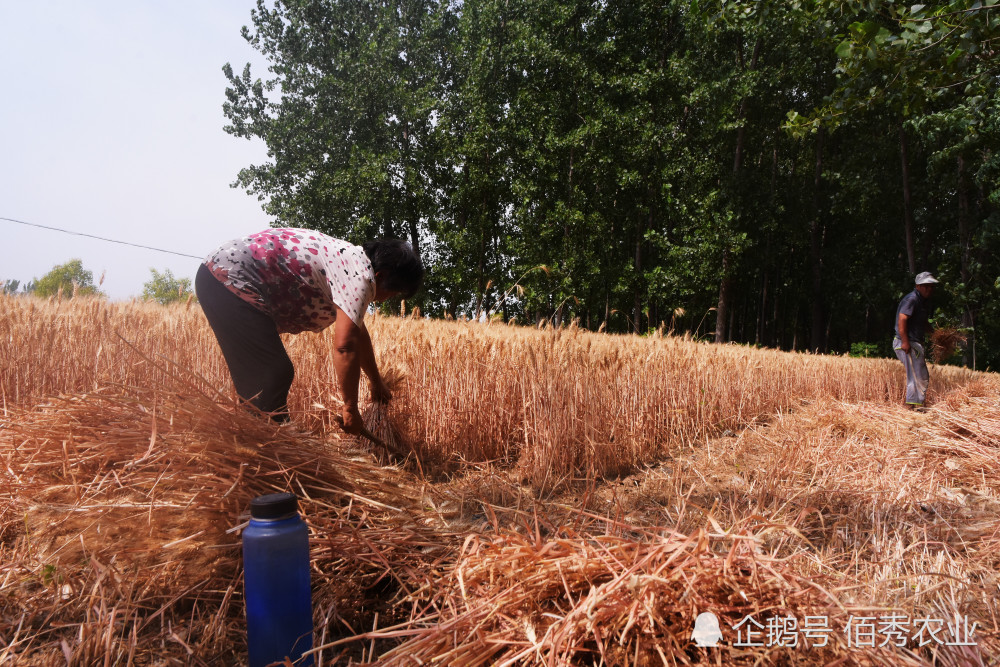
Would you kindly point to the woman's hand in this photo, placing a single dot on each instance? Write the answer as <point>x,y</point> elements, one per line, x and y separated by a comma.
<point>380,391</point>
<point>351,421</point>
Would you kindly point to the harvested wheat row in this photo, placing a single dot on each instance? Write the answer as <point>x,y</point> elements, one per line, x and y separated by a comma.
<point>818,527</point>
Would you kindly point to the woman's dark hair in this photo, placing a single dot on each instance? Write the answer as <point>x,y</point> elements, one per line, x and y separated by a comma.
<point>399,266</point>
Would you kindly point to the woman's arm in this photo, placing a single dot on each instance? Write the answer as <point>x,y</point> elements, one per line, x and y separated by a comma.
<point>347,363</point>
<point>352,353</point>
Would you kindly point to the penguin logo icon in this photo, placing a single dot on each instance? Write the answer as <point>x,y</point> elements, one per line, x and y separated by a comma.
<point>706,630</point>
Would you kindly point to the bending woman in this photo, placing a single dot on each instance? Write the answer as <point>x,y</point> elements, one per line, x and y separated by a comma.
<point>290,280</point>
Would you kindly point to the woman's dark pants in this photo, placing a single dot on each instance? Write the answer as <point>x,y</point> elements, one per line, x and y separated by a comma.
<point>261,369</point>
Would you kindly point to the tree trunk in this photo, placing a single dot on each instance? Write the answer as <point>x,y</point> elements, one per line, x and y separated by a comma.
<point>411,213</point>
<point>415,236</point>
<point>725,296</point>
<point>481,273</point>
<point>726,284</point>
<point>777,319</point>
<point>964,246</point>
<point>637,304</point>
<point>795,329</point>
<point>907,201</point>
<point>637,293</point>
<point>732,318</point>
<point>761,317</point>
<point>818,343</point>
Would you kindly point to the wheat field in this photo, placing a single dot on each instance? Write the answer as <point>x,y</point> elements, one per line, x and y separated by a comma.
<point>572,497</point>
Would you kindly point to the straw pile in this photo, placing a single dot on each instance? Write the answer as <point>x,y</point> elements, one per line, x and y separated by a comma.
<point>121,512</point>
<point>609,599</point>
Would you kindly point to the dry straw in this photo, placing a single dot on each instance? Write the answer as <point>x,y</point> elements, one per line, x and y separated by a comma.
<point>944,342</point>
<point>839,511</point>
<point>557,404</point>
<point>780,484</point>
<point>121,517</point>
<point>603,599</point>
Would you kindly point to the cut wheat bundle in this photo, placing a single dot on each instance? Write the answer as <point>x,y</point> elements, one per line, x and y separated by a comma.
<point>381,424</point>
<point>944,342</point>
<point>384,431</point>
<point>899,507</point>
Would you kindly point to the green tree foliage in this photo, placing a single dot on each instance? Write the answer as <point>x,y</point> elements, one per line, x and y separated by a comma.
<point>934,67</point>
<point>70,279</point>
<point>763,172</point>
<point>164,288</point>
<point>348,117</point>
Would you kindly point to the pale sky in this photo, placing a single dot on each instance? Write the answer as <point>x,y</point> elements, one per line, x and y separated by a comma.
<point>111,124</point>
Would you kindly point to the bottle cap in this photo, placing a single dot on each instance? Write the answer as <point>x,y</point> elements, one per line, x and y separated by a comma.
<point>274,506</point>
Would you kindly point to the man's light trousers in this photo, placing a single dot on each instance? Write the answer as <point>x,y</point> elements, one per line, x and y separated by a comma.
<point>915,364</point>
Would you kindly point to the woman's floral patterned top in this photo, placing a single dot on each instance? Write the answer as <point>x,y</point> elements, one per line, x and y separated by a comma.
<point>297,276</point>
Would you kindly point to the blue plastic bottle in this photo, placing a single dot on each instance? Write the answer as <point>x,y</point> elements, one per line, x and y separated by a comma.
<point>276,581</point>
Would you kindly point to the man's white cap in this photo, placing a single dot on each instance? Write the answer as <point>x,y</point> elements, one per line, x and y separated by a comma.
<point>925,278</point>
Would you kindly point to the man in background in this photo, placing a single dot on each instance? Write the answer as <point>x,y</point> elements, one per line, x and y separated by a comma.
<point>911,326</point>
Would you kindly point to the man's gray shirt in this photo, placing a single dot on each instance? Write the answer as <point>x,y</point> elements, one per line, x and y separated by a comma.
<point>915,307</point>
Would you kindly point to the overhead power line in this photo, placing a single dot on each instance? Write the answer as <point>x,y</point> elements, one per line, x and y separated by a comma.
<point>100,238</point>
